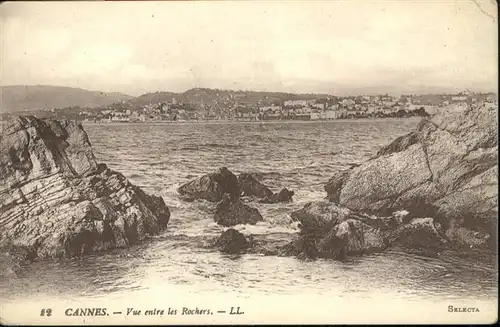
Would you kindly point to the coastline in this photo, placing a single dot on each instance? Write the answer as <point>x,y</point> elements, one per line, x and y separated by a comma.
<point>233,121</point>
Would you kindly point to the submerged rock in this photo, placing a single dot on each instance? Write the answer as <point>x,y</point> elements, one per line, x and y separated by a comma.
<point>211,187</point>
<point>447,169</point>
<point>57,201</point>
<point>231,241</point>
<point>230,212</point>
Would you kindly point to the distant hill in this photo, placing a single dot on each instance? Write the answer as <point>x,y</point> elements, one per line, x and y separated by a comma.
<point>204,96</point>
<point>26,97</point>
<point>152,98</point>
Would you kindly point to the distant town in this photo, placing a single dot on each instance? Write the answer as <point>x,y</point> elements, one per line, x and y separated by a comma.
<point>213,105</point>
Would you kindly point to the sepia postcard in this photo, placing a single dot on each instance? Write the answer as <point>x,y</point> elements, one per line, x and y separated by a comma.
<point>248,162</point>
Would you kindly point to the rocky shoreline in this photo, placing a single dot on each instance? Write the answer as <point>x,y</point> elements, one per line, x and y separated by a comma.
<point>57,201</point>
<point>434,189</point>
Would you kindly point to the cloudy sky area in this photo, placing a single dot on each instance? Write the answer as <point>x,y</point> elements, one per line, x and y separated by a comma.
<point>336,47</point>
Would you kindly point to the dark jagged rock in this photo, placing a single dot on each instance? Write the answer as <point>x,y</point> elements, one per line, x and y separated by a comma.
<point>447,168</point>
<point>334,185</point>
<point>231,241</point>
<point>231,212</point>
<point>57,201</point>
<point>285,195</point>
<point>328,231</point>
<point>320,216</point>
<point>211,187</point>
<point>250,186</point>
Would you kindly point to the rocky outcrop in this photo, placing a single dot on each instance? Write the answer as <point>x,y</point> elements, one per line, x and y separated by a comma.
<point>328,231</point>
<point>284,195</point>
<point>211,187</point>
<point>401,143</point>
<point>231,241</point>
<point>250,186</point>
<point>419,233</point>
<point>231,212</point>
<point>57,201</point>
<point>447,168</point>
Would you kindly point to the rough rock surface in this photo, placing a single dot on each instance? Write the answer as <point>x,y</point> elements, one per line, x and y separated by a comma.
<point>284,195</point>
<point>419,233</point>
<point>11,259</point>
<point>230,212</point>
<point>250,186</point>
<point>446,169</point>
<point>231,241</point>
<point>328,231</point>
<point>211,186</point>
<point>57,201</point>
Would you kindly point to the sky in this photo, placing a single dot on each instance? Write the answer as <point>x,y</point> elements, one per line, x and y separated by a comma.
<point>336,47</point>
